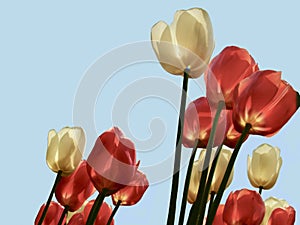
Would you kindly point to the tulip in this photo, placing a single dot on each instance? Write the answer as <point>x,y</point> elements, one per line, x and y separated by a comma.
<point>65,149</point>
<point>132,193</point>
<point>187,44</point>
<point>282,216</point>
<point>264,166</point>
<point>73,190</point>
<point>226,71</point>
<point>232,135</point>
<point>218,220</point>
<point>111,164</point>
<point>102,217</point>
<point>198,122</point>
<point>244,207</point>
<point>265,102</point>
<point>53,214</point>
<point>220,169</point>
<point>278,212</point>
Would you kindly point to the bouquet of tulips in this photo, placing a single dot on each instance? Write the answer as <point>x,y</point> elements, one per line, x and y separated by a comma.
<point>241,100</point>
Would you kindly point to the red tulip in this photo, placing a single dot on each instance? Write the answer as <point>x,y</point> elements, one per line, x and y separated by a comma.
<point>112,162</point>
<point>244,207</point>
<point>103,214</point>
<point>218,220</point>
<point>132,193</point>
<point>264,101</point>
<point>226,71</point>
<point>198,121</point>
<point>53,214</point>
<point>232,135</point>
<point>77,219</point>
<point>282,216</point>
<point>73,190</point>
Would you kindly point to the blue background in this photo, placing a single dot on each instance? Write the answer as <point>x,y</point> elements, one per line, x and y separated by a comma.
<point>45,49</point>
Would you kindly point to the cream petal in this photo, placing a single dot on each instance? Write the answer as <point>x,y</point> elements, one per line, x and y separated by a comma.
<point>250,173</point>
<point>156,33</point>
<point>52,153</point>
<point>51,134</point>
<point>194,183</point>
<point>63,131</point>
<point>78,136</point>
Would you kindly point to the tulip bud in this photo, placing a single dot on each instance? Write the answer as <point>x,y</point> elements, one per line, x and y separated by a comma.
<point>278,212</point>
<point>198,121</point>
<point>53,214</point>
<point>112,161</point>
<point>187,44</point>
<point>73,190</point>
<point>225,72</point>
<point>65,149</point>
<point>132,193</point>
<point>264,166</point>
<point>220,169</point>
<point>244,207</point>
<point>264,101</point>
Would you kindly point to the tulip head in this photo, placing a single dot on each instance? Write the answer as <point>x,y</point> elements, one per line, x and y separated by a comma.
<point>187,44</point>
<point>264,166</point>
<point>278,212</point>
<point>65,149</point>
<point>226,71</point>
<point>264,101</point>
<point>111,164</point>
<point>218,220</point>
<point>244,207</point>
<point>198,121</point>
<point>52,216</point>
<point>132,193</point>
<point>73,190</point>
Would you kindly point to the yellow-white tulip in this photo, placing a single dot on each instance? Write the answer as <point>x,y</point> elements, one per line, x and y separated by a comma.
<point>264,166</point>
<point>185,45</point>
<point>271,204</point>
<point>221,166</point>
<point>65,149</point>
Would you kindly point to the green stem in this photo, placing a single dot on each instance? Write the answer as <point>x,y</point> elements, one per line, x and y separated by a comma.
<point>220,193</point>
<point>260,189</point>
<point>175,178</point>
<point>197,212</point>
<point>95,209</point>
<point>63,215</point>
<point>208,184</point>
<point>212,196</point>
<point>187,183</point>
<point>114,212</point>
<point>57,179</point>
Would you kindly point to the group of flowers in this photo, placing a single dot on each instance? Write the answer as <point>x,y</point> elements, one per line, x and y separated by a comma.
<point>111,169</point>
<point>241,100</point>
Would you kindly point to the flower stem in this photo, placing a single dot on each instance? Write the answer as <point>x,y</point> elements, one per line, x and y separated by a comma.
<point>212,196</point>
<point>187,183</point>
<point>197,213</point>
<point>175,178</point>
<point>57,179</point>
<point>260,189</point>
<point>222,187</point>
<point>114,212</point>
<point>96,206</point>
<point>63,215</point>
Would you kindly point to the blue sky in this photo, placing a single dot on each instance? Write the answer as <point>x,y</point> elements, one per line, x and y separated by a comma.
<point>46,51</point>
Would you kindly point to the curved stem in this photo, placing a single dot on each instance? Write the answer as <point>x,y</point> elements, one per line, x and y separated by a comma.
<point>95,209</point>
<point>57,179</point>
<point>114,212</point>
<point>197,212</point>
<point>63,215</point>
<point>218,198</point>
<point>187,184</point>
<point>175,178</point>
<point>260,189</point>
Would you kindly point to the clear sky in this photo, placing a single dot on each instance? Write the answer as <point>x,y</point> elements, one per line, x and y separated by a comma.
<point>46,50</point>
